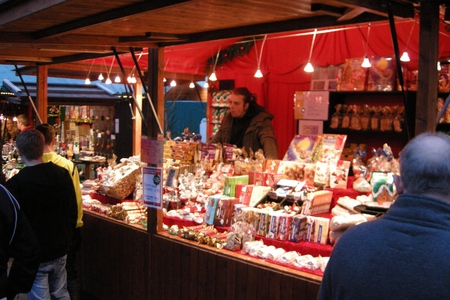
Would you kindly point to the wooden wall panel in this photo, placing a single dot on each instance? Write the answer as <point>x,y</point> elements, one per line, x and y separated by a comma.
<point>119,261</point>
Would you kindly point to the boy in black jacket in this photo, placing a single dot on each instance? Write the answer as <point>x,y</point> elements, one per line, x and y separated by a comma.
<point>46,194</point>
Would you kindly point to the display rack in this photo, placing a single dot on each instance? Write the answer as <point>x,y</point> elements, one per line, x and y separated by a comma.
<point>374,139</point>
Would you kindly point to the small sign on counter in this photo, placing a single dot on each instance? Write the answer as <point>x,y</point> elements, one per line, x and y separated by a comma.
<point>152,187</point>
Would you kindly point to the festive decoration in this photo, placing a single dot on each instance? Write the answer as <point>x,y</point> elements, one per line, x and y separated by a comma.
<point>238,49</point>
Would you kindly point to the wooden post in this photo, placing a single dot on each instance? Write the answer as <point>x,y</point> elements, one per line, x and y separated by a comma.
<point>137,124</point>
<point>42,93</point>
<point>156,91</point>
<point>428,75</point>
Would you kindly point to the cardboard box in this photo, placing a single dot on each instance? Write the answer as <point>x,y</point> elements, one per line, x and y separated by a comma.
<point>321,230</point>
<point>300,148</point>
<point>263,222</point>
<point>298,228</point>
<point>353,76</point>
<point>244,193</point>
<point>284,226</point>
<point>229,188</point>
<point>211,207</point>
<point>258,193</point>
<point>272,232</point>
<point>224,211</point>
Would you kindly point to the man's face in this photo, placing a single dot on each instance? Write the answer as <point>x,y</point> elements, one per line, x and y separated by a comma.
<point>237,106</point>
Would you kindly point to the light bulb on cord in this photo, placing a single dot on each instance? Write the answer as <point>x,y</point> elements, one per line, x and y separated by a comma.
<point>100,77</point>
<point>108,81</point>
<point>405,57</point>
<point>192,85</point>
<point>117,79</point>
<point>213,76</point>
<point>164,79</point>
<point>366,63</point>
<point>129,79</point>
<point>258,73</point>
<point>133,79</point>
<point>206,85</point>
<point>438,66</point>
<point>173,83</point>
<point>308,68</point>
<point>87,81</point>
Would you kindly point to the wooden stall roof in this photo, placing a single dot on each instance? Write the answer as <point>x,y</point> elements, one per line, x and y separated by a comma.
<point>58,32</point>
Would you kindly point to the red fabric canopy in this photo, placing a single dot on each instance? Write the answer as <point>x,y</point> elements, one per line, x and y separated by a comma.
<point>284,56</point>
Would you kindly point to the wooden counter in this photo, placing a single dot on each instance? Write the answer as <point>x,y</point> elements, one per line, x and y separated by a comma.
<point>120,261</point>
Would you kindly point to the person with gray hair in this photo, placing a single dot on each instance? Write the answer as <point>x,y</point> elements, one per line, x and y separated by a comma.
<point>404,254</point>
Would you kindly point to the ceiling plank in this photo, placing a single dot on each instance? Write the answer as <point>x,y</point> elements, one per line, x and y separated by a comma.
<point>115,14</point>
<point>25,9</point>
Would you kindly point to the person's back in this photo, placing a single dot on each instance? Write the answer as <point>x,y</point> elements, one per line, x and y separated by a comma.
<point>17,240</point>
<point>403,255</point>
<point>73,255</point>
<point>47,197</point>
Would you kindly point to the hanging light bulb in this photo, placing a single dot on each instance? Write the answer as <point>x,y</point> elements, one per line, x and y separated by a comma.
<point>129,79</point>
<point>258,73</point>
<point>173,83</point>
<point>117,79</point>
<point>213,76</point>
<point>164,79</point>
<point>133,79</point>
<point>87,81</point>
<point>192,85</point>
<point>308,68</point>
<point>439,66</point>
<point>108,81</point>
<point>405,57</point>
<point>100,77</point>
<point>206,85</point>
<point>366,63</point>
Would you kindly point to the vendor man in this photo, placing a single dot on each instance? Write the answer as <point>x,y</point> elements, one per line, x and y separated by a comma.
<point>247,125</point>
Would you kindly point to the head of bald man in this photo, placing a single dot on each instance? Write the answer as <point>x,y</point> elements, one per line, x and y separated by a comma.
<point>425,166</point>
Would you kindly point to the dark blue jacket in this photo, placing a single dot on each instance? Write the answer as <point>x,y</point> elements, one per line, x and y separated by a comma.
<point>18,241</point>
<point>403,255</point>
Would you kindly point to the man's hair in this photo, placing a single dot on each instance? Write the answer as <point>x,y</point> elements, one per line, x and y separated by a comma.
<point>23,119</point>
<point>48,131</point>
<point>425,165</point>
<point>30,144</point>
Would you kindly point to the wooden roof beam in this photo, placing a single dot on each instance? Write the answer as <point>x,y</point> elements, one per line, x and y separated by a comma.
<point>114,14</point>
<point>401,9</point>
